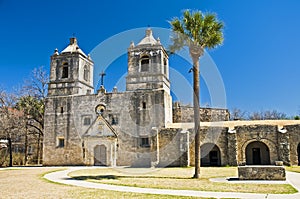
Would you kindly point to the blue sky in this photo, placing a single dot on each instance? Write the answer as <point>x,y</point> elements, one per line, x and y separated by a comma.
<point>259,60</point>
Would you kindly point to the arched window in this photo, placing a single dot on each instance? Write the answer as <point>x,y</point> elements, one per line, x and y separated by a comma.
<point>145,60</point>
<point>65,71</point>
<point>86,73</point>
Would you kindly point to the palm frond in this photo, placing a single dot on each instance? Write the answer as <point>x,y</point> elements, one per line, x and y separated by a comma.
<point>196,28</point>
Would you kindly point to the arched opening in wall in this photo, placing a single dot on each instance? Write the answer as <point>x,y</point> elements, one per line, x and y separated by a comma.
<point>86,73</point>
<point>65,70</point>
<point>145,61</point>
<point>298,152</point>
<point>100,155</point>
<point>257,153</point>
<point>210,155</point>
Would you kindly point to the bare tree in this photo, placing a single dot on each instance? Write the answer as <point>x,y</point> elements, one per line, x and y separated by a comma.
<point>11,120</point>
<point>238,114</point>
<point>267,115</point>
<point>32,103</point>
<point>37,84</point>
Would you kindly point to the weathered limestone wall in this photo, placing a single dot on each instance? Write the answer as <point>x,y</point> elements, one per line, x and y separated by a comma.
<point>138,113</point>
<point>134,113</point>
<point>232,148</point>
<point>60,124</point>
<point>266,134</point>
<point>293,132</point>
<point>261,173</point>
<point>173,147</point>
<point>182,114</point>
<point>213,136</point>
<point>70,155</point>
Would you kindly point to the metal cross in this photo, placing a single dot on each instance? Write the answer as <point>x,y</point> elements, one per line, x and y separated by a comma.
<point>102,74</point>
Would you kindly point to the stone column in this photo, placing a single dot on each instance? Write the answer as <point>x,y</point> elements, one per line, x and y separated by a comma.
<point>184,149</point>
<point>154,150</point>
<point>283,146</point>
<point>232,147</point>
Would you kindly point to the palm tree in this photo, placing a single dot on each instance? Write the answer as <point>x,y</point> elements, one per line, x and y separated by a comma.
<point>197,31</point>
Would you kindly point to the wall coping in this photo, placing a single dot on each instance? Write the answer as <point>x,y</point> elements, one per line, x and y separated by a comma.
<point>233,124</point>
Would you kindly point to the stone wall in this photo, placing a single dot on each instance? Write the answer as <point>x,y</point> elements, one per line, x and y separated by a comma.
<point>184,114</point>
<point>131,114</point>
<point>261,173</point>
<point>266,134</point>
<point>281,143</point>
<point>293,132</point>
<point>173,147</point>
<point>214,136</point>
<point>59,124</point>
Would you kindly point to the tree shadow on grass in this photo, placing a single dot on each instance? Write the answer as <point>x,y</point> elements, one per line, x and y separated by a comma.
<point>117,177</point>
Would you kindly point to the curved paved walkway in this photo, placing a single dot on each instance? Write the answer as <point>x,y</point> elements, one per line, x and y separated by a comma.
<point>62,177</point>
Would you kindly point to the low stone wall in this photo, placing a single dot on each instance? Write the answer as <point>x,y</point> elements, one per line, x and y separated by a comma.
<point>185,113</point>
<point>261,173</point>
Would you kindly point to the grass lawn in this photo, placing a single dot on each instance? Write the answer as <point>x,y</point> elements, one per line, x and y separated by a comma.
<point>293,169</point>
<point>178,178</point>
<point>29,183</point>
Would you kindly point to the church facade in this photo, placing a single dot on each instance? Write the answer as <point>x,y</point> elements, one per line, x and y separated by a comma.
<point>142,126</point>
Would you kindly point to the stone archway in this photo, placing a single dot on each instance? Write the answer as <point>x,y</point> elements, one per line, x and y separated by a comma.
<point>298,152</point>
<point>210,155</point>
<point>100,157</point>
<point>257,153</point>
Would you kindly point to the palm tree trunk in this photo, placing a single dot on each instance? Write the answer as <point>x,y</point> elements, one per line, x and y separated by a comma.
<point>196,52</point>
<point>196,86</point>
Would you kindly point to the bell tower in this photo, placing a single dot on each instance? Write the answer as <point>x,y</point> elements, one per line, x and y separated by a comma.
<point>148,65</point>
<point>71,72</point>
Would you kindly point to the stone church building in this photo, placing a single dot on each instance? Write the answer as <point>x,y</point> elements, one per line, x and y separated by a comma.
<point>142,126</point>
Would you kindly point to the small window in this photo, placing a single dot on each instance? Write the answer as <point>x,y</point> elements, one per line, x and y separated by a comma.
<point>145,142</point>
<point>62,109</point>
<point>86,73</point>
<point>144,105</point>
<point>65,71</point>
<point>61,142</point>
<point>114,120</point>
<point>86,121</point>
<point>145,63</point>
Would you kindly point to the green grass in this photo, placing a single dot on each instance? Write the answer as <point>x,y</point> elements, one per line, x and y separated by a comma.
<point>293,169</point>
<point>178,178</point>
<point>114,194</point>
<point>99,193</point>
<point>41,176</point>
<point>28,183</point>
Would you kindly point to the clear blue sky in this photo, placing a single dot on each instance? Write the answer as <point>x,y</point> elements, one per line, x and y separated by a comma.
<point>259,61</point>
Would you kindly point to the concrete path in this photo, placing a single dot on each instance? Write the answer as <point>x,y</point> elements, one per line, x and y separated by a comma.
<point>63,178</point>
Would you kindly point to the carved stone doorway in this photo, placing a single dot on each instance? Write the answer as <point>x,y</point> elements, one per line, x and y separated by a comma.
<point>100,157</point>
